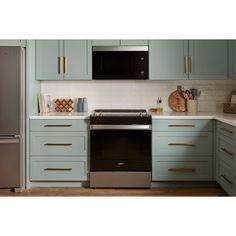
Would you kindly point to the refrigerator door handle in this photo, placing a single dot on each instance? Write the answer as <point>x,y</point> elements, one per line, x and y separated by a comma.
<point>9,140</point>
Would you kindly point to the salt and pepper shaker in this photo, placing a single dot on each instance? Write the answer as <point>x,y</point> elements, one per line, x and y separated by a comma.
<point>85,105</point>
<point>82,105</point>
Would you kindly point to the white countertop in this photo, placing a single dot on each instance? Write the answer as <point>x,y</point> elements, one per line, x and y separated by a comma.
<point>223,117</point>
<point>61,115</point>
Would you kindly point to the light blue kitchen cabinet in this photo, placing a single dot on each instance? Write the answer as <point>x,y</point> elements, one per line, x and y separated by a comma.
<point>182,150</point>
<point>183,59</point>
<point>226,157</point>
<point>49,59</point>
<point>134,42</point>
<point>63,60</point>
<point>232,59</point>
<point>11,42</point>
<point>208,59</point>
<point>58,151</point>
<point>118,42</point>
<point>182,170</point>
<point>78,59</point>
<point>182,143</point>
<point>167,59</point>
<point>106,42</point>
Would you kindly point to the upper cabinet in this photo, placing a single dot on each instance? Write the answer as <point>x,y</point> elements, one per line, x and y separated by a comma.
<point>232,59</point>
<point>167,59</point>
<point>63,59</point>
<point>125,42</point>
<point>183,59</point>
<point>11,42</point>
<point>208,59</point>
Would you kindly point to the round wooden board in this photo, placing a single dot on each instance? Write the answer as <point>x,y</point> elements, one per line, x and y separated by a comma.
<point>176,101</point>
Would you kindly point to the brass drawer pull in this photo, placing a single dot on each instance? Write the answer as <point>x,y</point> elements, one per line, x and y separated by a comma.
<point>228,131</point>
<point>227,180</point>
<point>182,169</point>
<point>58,144</point>
<point>181,125</point>
<point>59,65</point>
<point>120,163</point>
<point>57,126</point>
<point>58,169</point>
<point>186,65</point>
<point>190,64</point>
<point>65,65</point>
<point>182,144</point>
<point>228,152</point>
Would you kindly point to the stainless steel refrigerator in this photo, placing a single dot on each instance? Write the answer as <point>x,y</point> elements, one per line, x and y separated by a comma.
<point>12,110</point>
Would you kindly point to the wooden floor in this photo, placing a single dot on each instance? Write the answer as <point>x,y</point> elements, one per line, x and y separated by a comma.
<point>84,192</point>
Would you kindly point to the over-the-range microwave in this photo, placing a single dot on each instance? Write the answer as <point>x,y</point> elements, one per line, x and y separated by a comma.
<point>120,62</point>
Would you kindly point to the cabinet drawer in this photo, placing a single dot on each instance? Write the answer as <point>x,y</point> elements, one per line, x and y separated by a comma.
<point>58,143</point>
<point>50,170</point>
<point>58,125</point>
<point>226,130</point>
<point>181,125</point>
<point>182,143</point>
<point>227,179</point>
<point>181,171</point>
<point>226,151</point>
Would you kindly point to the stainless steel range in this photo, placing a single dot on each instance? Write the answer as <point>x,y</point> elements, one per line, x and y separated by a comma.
<point>120,142</point>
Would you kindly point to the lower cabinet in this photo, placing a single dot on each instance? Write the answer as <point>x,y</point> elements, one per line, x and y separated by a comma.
<point>180,170</point>
<point>58,169</point>
<point>182,150</point>
<point>226,157</point>
<point>58,150</point>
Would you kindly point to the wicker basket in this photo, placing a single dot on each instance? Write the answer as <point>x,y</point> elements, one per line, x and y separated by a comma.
<point>229,108</point>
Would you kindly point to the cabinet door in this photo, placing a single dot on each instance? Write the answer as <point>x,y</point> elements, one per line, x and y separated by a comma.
<point>106,42</point>
<point>49,59</point>
<point>77,59</point>
<point>232,59</point>
<point>11,42</point>
<point>167,59</point>
<point>208,59</point>
<point>132,42</point>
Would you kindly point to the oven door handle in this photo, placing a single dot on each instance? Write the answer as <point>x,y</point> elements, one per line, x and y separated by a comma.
<point>120,127</point>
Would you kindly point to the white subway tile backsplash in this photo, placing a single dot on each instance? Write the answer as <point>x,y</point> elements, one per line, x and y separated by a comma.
<point>139,94</point>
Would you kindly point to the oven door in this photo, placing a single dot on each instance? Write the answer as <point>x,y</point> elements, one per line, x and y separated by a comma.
<point>120,149</point>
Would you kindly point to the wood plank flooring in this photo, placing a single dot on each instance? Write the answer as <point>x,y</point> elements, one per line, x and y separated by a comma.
<point>86,192</point>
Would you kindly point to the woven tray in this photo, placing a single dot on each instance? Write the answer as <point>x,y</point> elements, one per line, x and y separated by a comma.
<point>229,108</point>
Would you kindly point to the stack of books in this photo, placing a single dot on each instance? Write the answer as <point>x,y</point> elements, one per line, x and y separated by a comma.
<point>44,103</point>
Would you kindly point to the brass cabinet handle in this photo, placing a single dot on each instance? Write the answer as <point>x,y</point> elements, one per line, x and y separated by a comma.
<point>59,65</point>
<point>57,126</point>
<point>186,64</point>
<point>228,131</point>
<point>182,144</point>
<point>181,125</point>
<point>58,144</point>
<point>65,63</point>
<point>120,163</point>
<point>182,169</point>
<point>58,169</point>
<point>227,180</point>
<point>228,152</point>
<point>190,64</point>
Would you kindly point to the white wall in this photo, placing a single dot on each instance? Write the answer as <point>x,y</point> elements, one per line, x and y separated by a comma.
<point>139,94</point>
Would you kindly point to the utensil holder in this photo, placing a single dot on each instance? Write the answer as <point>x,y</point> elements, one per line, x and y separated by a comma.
<point>192,105</point>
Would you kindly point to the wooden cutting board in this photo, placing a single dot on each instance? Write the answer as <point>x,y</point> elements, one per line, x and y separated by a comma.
<point>177,102</point>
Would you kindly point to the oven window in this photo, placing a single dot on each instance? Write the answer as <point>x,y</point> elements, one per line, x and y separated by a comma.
<point>109,148</point>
